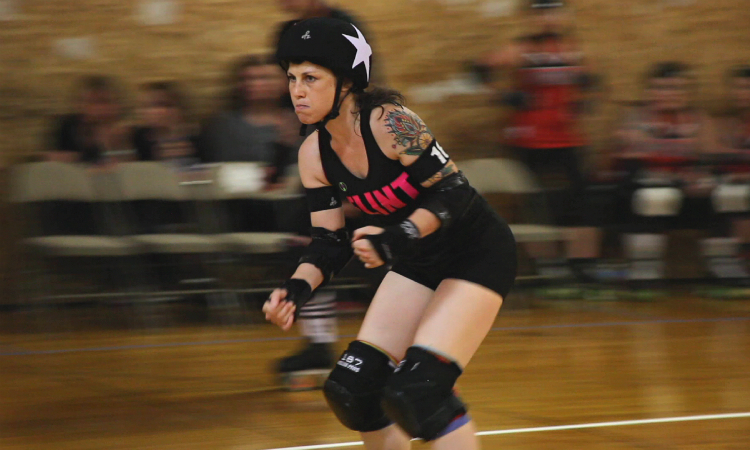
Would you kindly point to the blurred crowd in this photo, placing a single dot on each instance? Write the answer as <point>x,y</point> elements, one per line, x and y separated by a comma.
<point>670,165</point>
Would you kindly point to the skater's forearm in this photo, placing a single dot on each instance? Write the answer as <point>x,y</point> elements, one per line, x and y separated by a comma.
<point>309,273</point>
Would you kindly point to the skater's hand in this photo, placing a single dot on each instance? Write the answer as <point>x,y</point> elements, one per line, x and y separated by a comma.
<point>363,248</point>
<point>278,310</point>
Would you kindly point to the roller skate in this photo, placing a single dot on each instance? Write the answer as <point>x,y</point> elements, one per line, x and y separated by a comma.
<point>307,369</point>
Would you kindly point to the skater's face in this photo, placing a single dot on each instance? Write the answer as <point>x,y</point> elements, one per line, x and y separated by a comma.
<point>312,88</point>
<point>669,93</point>
<point>741,92</point>
<point>160,109</point>
<point>99,106</point>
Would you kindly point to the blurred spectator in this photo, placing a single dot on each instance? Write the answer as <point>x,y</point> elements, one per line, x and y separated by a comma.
<point>663,150</point>
<point>735,128</point>
<point>257,125</point>
<point>549,80</point>
<point>164,134</point>
<point>732,197</point>
<point>94,133</point>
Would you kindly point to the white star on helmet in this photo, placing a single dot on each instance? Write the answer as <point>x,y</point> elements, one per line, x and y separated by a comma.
<point>364,51</point>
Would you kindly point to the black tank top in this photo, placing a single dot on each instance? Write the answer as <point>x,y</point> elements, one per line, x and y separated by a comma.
<point>387,195</point>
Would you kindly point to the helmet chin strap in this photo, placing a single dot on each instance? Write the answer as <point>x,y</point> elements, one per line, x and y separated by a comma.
<point>337,102</point>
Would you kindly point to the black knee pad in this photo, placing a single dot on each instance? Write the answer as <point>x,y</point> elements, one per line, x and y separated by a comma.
<point>419,396</point>
<point>355,387</point>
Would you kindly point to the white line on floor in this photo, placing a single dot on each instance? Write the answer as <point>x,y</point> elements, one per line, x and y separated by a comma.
<point>579,426</point>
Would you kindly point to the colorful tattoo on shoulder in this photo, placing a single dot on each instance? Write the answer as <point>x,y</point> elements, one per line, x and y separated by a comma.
<point>409,131</point>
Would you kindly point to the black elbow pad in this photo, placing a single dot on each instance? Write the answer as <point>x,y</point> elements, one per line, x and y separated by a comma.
<point>449,198</point>
<point>329,251</point>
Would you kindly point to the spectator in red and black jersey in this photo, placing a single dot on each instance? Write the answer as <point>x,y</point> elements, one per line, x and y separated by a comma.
<point>663,148</point>
<point>732,197</point>
<point>550,81</point>
<point>734,128</point>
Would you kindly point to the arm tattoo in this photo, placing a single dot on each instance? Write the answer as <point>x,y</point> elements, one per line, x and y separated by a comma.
<point>408,131</point>
<point>444,172</point>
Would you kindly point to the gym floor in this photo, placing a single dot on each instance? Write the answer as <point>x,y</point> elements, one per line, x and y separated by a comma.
<point>672,374</point>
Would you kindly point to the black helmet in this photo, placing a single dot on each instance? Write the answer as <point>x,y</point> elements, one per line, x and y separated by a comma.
<point>332,43</point>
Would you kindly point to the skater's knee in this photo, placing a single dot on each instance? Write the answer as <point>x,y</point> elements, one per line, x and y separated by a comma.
<point>419,396</point>
<point>355,387</point>
<point>729,198</point>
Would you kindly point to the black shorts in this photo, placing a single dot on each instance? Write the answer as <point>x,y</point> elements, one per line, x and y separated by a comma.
<point>479,247</point>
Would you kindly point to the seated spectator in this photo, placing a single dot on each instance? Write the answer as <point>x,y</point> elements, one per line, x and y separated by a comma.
<point>95,133</point>
<point>257,125</point>
<point>735,126</point>
<point>165,134</point>
<point>663,145</point>
<point>731,198</point>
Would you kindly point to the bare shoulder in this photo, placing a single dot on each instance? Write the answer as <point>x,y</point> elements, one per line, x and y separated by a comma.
<point>400,131</point>
<point>310,165</point>
<point>403,135</point>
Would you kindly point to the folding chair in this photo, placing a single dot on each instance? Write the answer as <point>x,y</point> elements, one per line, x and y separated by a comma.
<point>162,219</point>
<point>63,226</point>
<point>248,214</point>
<point>491,176</point>
<point>498,178</point>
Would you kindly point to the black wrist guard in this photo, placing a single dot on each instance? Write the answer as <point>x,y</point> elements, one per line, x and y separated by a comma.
<point>299,292</point>
<point>395,241</point>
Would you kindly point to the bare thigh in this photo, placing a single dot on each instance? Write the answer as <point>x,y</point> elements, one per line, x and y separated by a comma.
<point>458,318</point>
<point>394,314</point>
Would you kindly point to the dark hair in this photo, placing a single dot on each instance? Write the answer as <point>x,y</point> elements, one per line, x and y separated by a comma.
<point>743,72</point>
<point>668,69</point>
<point>172,90</point>
<point>740,72</point>
<point>235,98</point>
<point>377,96</point>
<point>97,83</point>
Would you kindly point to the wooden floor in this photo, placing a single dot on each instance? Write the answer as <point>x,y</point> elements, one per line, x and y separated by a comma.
<point>558,364</point>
